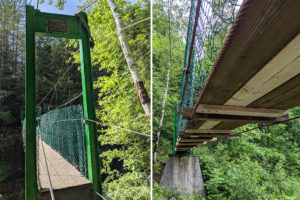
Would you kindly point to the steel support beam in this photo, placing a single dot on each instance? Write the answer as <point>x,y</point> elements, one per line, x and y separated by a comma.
<point>89,112</point>
<point>30,130</point>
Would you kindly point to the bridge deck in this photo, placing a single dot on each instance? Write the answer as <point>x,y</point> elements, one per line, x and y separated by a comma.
<point>65,178</point>
<point>258,67</point>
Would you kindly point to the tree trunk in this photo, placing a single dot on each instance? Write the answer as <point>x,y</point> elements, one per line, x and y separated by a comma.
<point>162,112</point>
<point>139,84</point>
<point>167,86</point>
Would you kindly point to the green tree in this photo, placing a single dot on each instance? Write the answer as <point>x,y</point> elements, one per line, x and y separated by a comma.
<point>161,47</point>
<point>12,61</point>
<point>118,102</point>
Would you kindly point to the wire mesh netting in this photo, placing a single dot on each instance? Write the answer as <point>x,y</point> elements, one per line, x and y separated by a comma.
<point>63,130</point>
<point>213,25</point>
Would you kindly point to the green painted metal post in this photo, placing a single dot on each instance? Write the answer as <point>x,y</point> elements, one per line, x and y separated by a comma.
<point>175,129</point>
<point>30,131</point>
<point>89,112</point>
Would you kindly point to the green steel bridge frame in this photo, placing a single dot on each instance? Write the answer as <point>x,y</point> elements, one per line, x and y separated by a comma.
<point>58,26</point>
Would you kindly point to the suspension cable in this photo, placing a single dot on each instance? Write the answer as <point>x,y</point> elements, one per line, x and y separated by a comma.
<point>98,122</point>
<point>68,102</point>
<point>124,129</point>
<point>87,6</point>
<point>148,18</point>
<point>271,124</point>
<point>101,196</point>
<point>55,85</point>
<point>187,72</point>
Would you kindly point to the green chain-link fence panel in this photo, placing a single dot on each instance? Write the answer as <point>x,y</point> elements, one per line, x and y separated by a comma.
<point>63,131</point>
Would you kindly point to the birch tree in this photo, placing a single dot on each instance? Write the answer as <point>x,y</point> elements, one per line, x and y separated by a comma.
<point>139,84</point>
<point>167,85</point>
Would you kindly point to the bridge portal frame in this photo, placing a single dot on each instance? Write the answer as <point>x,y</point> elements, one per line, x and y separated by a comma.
<point>58,26</point>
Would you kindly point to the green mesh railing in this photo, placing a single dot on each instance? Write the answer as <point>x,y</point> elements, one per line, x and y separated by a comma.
<point>63,130</point>
<point>214,22</point>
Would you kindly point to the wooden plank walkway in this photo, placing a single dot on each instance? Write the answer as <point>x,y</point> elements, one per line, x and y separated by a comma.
<point>258,68</point>
<point>66,179</point>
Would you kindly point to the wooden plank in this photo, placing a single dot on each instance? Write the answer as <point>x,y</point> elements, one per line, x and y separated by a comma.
<point>190,144</point>
<point>218,118</point>
<point>283,67</point>
<point>209,124</point>
<point>199,135</point>
<point>239,110</point>
<point>283,97</point>
<point>197,139</point>
<point>253,43</point>
<point>206,131</point>
<point>62,173</point>
<point>205,136</point>
<point>279,70</point>
<point>243,120</point>
<point>248,49</point>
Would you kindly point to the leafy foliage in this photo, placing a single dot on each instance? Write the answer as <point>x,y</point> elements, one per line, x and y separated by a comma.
<point>12,61</point>
<point>125,156</point>
<point>254,165</point>
<point>160,63</point>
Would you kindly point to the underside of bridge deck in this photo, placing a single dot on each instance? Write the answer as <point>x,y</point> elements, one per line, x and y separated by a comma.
<point>256,77</point>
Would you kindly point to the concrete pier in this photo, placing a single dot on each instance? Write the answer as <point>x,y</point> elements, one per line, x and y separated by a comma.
<point>183,174</point>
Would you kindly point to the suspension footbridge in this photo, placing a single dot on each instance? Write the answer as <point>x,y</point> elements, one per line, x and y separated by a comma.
<point>241,65</point>
<point>253,77</point>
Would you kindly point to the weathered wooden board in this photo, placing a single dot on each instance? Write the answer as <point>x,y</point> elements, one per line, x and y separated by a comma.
<point>189,144</point>
<point>65,178</point>
<point>280,70</point>
<point>205,133</point>
<point>239,110</point>
<point>283,67</point>
<point>253,43</point>
<point>182,140</point>
<point>262,30</point>
<point>214,117</point>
